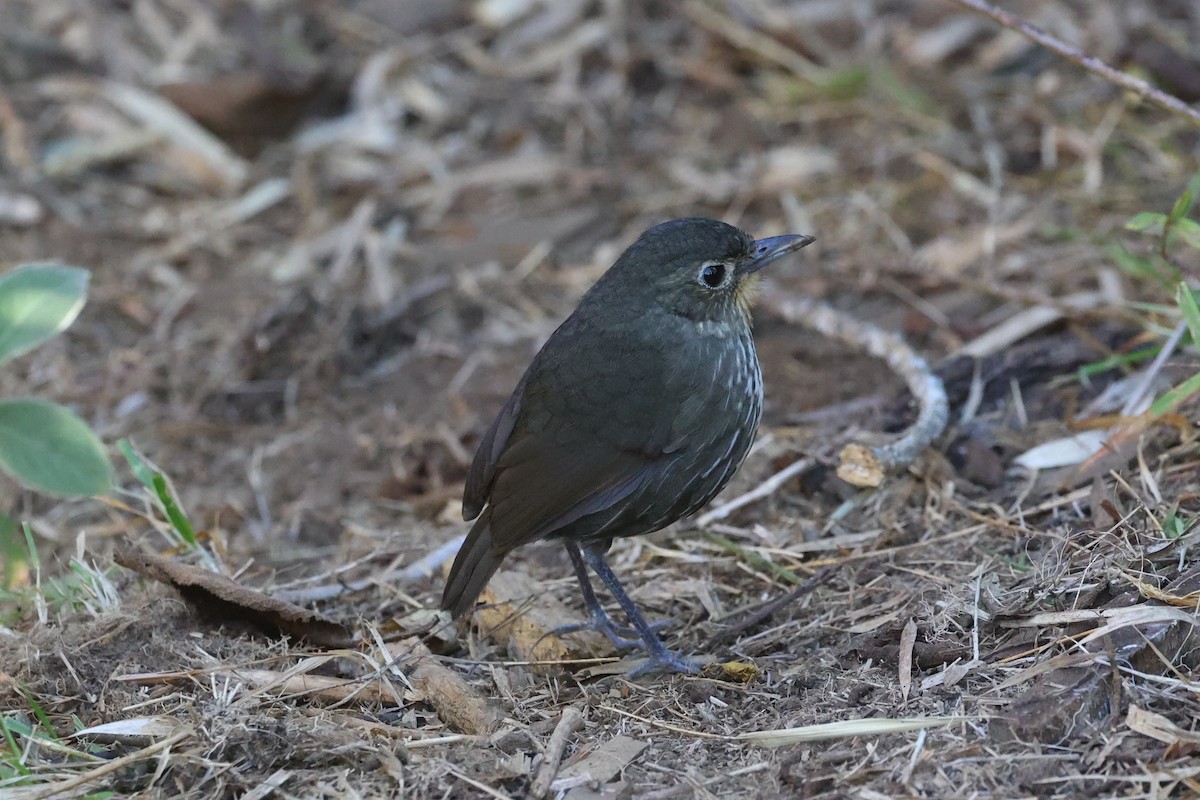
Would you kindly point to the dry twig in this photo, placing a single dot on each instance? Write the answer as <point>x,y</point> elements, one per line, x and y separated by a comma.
<point>570,721</point>
<point>860,466</point>
<point>1090,63</point>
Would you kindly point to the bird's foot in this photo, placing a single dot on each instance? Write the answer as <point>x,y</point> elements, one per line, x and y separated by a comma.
<point>664,661</point>
<point>623,637</point>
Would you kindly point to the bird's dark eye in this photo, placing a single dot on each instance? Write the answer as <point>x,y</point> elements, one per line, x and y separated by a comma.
<point>712,275</point>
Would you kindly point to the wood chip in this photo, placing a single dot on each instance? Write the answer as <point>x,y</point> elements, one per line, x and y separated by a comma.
<point>522,619</point>
<point>456,702</point>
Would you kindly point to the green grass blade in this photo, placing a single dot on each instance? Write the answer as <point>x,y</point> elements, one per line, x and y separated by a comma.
<point>154,480</point>
<point>1191,313</point>
<point>40,714</point>
<point>1176,396</point>
<point>141,471</point>
<point>1119,360</point>
<point>178,519</point>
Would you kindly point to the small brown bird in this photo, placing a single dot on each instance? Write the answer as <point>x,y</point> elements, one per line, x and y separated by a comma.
<point>636,412</point>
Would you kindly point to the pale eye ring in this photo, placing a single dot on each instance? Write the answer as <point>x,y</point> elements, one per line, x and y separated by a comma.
<point>713,274</point>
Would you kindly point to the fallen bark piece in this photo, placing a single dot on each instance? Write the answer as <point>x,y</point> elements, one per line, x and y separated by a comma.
<point>455,701</point>
<point>221,599</point>
<point>522,620</point>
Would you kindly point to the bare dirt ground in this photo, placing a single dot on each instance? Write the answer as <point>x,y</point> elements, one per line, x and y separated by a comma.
<point>307,313</point>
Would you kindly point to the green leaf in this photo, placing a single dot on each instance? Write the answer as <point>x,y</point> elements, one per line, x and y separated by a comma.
<point>12,551</point>
<point>1193,189</point>
<point>48,448</point>
<point>846,84</point>
<point>904,94</point>
<point>141,471</point>
<point>1147,221</point>
<point>1119,360</point>
<point>36,302</point>
<point>1189,231</point>
<point>1182,206</point>
<point>13,759</point>
<point>42,717</point>
<point>1191,313</point>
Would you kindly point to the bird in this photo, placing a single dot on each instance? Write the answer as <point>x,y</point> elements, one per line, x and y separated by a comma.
<point>635,413</point>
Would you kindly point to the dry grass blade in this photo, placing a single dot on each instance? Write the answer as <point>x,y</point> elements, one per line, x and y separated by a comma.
<point>99,776</point>
<point>764,489</point>
<point>180,129</point>
<point>784,737</point>
<point>326,239</point>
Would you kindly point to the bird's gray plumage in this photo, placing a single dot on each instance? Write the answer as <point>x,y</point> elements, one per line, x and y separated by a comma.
<point>636,412</point>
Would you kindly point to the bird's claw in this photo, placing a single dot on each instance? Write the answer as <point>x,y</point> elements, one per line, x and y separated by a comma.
<point>666,662</point>
<point>623,637</point>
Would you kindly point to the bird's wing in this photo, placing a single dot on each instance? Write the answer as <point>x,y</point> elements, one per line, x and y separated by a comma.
<point>483,467</point>
<point>588,432</point>
<point>547,486</point>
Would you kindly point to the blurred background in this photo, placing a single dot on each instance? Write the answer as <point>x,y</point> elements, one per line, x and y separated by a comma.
<point>326,238</point>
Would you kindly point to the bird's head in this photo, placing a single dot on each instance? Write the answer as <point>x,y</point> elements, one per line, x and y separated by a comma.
<point>700,269</point>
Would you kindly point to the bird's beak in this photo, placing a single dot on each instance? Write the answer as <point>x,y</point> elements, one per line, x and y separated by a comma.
<point>767,251</point>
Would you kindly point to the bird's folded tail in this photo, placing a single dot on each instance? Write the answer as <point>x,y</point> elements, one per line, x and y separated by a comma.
<point>473,566</point>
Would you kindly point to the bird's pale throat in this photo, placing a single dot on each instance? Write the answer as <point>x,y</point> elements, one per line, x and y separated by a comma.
<point>746,292</point>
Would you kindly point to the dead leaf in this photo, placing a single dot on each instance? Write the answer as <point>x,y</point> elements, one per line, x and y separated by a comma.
<point>741,671</point>
<point>245,103</point>
<point>224,600</point>
<point>139,731</point>
<point>600,765</point>
<point>456,702</point>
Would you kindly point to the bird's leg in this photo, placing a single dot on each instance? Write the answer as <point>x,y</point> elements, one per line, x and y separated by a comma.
<point>661,659</point>
<point>598,619</point>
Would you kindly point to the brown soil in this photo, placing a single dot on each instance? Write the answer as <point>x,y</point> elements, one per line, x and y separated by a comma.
<point>314,375</point>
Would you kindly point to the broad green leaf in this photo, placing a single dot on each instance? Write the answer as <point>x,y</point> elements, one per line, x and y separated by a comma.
<point>1148,221</point>
<point>47,448</point>
<point>36,302</point>
<point>12,550</point>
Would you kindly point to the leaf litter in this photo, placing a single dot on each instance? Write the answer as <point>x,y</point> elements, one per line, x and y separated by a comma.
<point>325,241</point>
